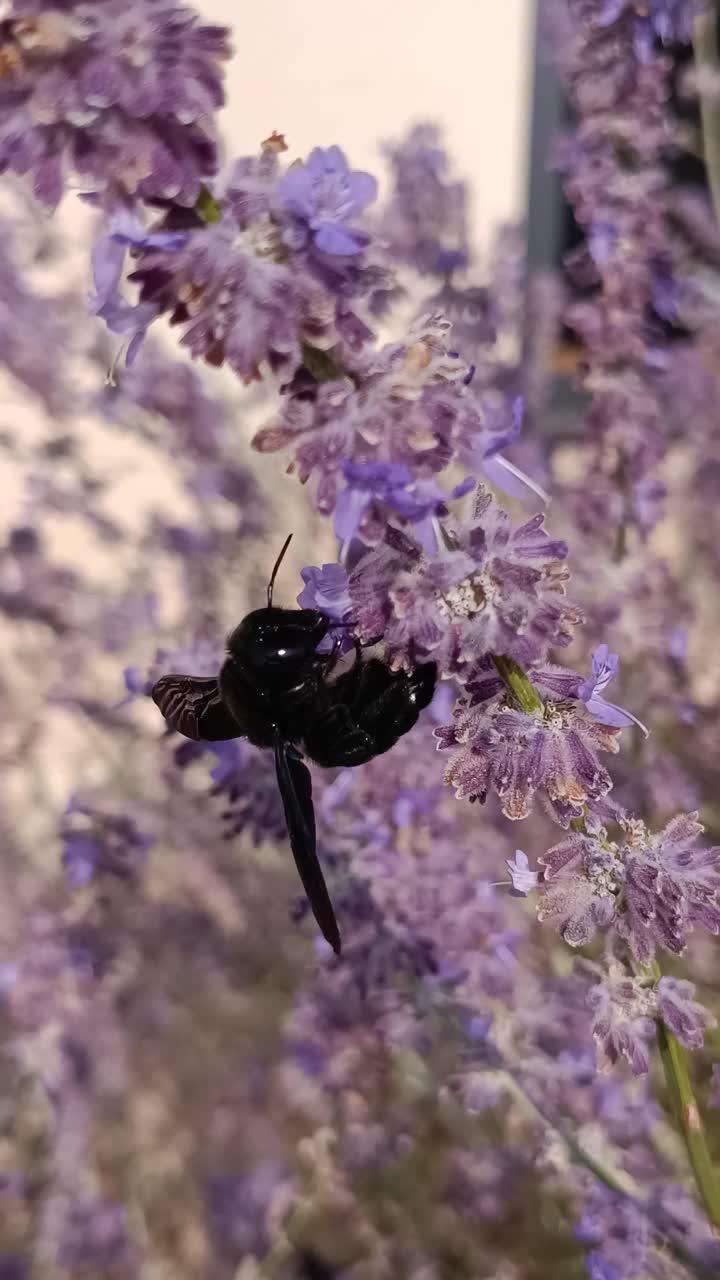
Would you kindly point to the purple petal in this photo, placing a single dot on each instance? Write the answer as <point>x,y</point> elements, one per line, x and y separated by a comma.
<point>326,589</point>
<point>331,237</point>
<point>349,511</point>
<point>610,714</point>
<point>461,489</point>
<point>504,475</point>
<point>107,260</point>
<point>364,189</point>
<point>426,535</point>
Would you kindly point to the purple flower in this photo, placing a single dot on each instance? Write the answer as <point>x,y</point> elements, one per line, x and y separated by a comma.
<point>108,260</point>
<point>687,1019</point>
<point>94,1235</point>
<point>620,1235</point>
<point>391,483</point>
<point>583,876</point>
<point>33,323</point>
<point>135,682</point>
<point>623,1021</point>
<point>405,400</point>
<point>365,481</point>
<point>96,844</point>
<point>524,881</point>
<point>126,229</point>
<point>496,748</point>
<point>667,20</point>
<point>604,669</point>
<point>424,221</point>
<point>121,93</point>
<point>501,419</point>
<point>327,589</point>
<point>672,884</point>
<point>244,780</point>
<point>236,297</point>
<point>324,195</point>
<point>494,588</point>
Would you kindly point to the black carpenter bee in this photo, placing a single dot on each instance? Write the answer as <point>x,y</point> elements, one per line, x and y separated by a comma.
<point>274,689</point>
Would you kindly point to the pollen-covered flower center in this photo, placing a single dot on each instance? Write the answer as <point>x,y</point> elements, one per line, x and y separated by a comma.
<point>261,239</point>
<point>605,871</point>
<point>467,598</point>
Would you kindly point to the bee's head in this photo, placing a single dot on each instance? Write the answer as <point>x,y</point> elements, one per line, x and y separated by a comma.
<point>280,644</point>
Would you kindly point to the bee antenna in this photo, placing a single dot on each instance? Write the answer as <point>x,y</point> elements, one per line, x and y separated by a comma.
<point>276,566</point>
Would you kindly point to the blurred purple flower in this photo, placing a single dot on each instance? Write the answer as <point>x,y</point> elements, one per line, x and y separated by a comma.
<point>120,93</point>
<point>424,220</point>
<point>678,644</point>
<point>524,881</point>
<point>620,1235</point>
<point>135,682</point>
<point>667,20</point>
<point>604,669</point>
<point>96,844</point>
<point>94,1235</point>
<point>324,195</point>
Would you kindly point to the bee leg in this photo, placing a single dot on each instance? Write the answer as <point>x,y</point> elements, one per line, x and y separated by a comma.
<point>333,656</point>
<point>390,703</point>
<point>334,740</point>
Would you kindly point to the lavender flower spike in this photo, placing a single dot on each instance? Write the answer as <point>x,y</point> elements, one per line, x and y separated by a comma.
<point>604,668</point>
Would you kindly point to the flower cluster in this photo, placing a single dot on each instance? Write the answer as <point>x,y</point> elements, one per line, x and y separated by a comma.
<point>487,588</point>
<point>260,280</point>
<point>655,888</point>
<point>121,95</point>
<point>553,751</point>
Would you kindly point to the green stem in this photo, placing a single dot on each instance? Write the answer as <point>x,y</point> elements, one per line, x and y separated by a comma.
<point>675,1065</point>
<point>706,57</point>
<point>521,689</point>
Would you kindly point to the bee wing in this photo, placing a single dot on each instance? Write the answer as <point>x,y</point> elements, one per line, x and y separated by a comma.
<point>192,706</point>
<point>296,790</point>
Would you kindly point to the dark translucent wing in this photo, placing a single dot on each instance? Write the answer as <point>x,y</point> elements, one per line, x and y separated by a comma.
<point>296,791</point>
<point>192,706</point>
